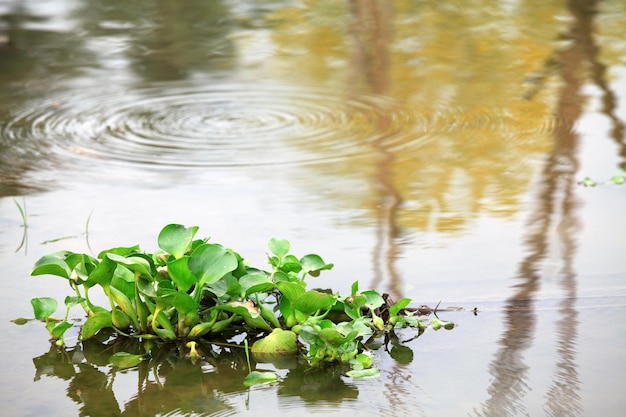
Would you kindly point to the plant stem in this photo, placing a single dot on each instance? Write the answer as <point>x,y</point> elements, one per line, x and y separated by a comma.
<point>245,344</point>
<point>141,311</point>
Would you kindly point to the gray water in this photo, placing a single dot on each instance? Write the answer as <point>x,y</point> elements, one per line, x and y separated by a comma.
<point>431,150</point>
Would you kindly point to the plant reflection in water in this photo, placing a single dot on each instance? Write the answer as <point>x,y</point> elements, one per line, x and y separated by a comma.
<point>167,382</point>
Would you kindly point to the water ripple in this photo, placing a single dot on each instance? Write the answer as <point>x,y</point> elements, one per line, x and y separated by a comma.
<point>191,126</point>
<point>187,126</point>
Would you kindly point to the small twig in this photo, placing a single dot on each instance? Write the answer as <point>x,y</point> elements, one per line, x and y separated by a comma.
<point>87,232</point>
<point>24,214</point>
<point>57,239</point>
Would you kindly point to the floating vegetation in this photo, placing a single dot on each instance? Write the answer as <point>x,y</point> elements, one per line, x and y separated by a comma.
<point>191,291</point>
<point>615,180</point>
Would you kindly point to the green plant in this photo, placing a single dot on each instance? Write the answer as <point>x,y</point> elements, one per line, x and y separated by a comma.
<point>257,377</point>
<point>44,307</point>
<point>617,179</point>
<point>190,289</point>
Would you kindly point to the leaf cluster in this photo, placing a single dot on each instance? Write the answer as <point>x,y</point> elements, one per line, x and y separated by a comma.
<point>191,289</point>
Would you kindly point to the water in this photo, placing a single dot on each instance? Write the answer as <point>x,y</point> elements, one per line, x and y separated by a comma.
<point>429,150</point>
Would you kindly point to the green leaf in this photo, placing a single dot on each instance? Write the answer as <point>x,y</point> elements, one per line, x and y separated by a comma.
<point>73,301</point>
<point>312,264</point>
<point>182,302</point>
<point>588,182</point>
<point>248,311</point>
<point>200,329</point>
<point>311,301</point>
<point>125,305</point>
<point>256,378</point>
<point>290,290</point>
<point>225,286</point>
<point>374,299</point>
<point>166,331</point>
<point>268,314</point>
<point>44,307</point>
<point>309,333</point>
<point>279,247</point>
<point>618,179</point>
<point>233,288</point>
<point>120,320</point>
<point>125,360</point>
<point>123,279</point>
<point>360,325</point>
<point>284,306</point>
<point>81,265</point>
<point>59,329</point>
<point>80,260</point>
<point>102,273</point>
<point>95,323</point>
<point>437,324</point>
<point>242,266</point>
<point>282,276</point>
<point>210,262</point>
<point>176,239</point>
<point>179,272</point>
<point>257,322</point>
<point>334,338</point>
<point>397,307</point>
<point>279,342</point>
<point>413,322</point>
<point>146,288</point>
<point>364,360</point>
<point>121,250</point>
<point>53,264</point>
<point>253,283</point>
<point>165,334</point>
<point>355,288</point>
<point>291,264</point>
<point>134,263</point>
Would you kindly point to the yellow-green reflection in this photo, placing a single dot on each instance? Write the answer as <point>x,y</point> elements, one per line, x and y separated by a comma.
<point>464,77</point>
<point>482,83</point>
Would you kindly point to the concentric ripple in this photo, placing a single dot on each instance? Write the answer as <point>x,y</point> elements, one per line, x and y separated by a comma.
<point>188,126</point>
<point>191,126</point>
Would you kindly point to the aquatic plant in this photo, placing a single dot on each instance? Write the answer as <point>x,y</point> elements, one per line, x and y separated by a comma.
<point>191,290</point>
<point>617,179</point>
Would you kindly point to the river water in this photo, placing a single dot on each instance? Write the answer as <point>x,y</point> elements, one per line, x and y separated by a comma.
<point>431,150</point>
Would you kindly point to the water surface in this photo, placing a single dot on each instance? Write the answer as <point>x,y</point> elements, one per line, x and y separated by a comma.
<point>429,150</point>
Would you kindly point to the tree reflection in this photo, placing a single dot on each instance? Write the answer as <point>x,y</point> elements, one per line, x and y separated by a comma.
<point>369,62</point>
<point>30,61</point>
<point>371,31</point>
<point>556,209</point>
<point>466,147</point>
<point>169,383</point>
<point>169,40</point>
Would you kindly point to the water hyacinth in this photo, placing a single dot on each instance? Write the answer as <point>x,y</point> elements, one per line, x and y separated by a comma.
<point>190,290</point>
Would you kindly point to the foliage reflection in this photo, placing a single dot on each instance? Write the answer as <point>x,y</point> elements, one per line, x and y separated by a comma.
<point>168,382</point>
